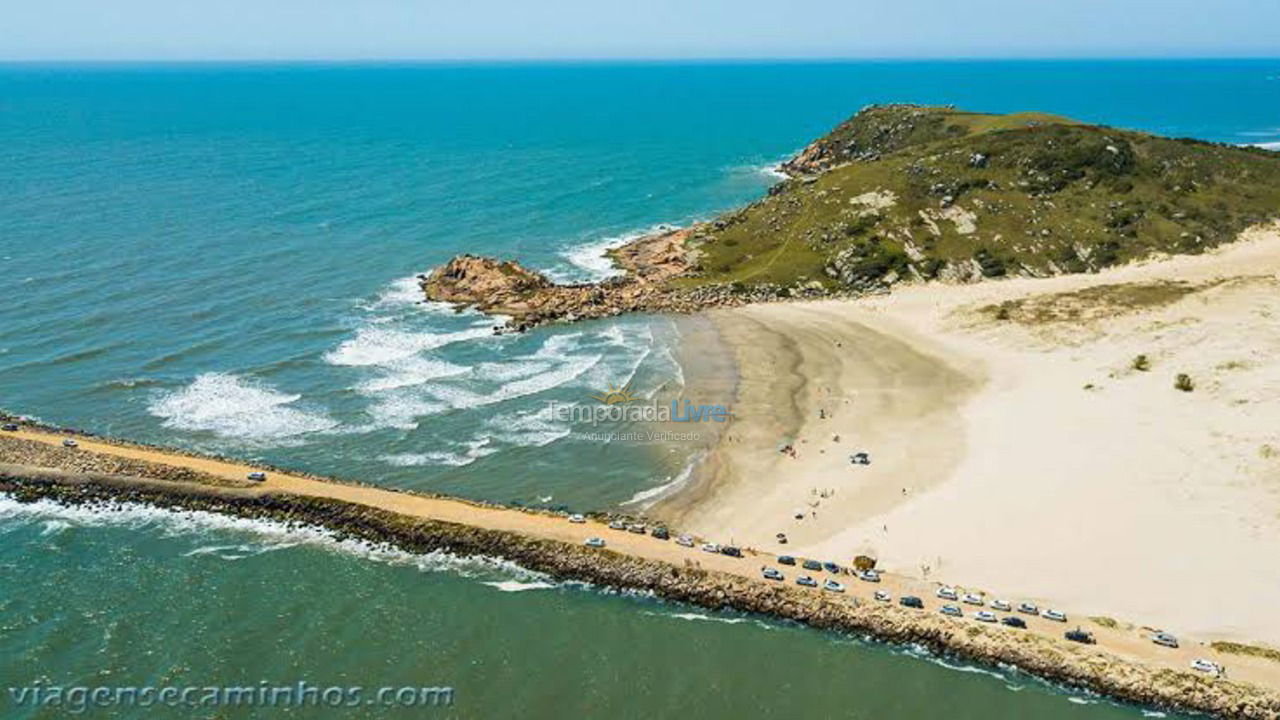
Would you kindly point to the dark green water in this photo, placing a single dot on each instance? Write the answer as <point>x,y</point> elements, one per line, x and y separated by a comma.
<point>146,597</point>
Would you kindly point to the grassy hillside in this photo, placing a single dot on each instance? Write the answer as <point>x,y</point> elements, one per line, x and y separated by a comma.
<point>905,192</point>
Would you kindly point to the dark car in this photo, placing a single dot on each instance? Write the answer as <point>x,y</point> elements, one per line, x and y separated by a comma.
<point>1015,622</point>
<point>911,601</point>
<point>831,568</point>
<point>10,427</point>
<point>812,565</point>
<point>731,551</point>
<point>661,533</point>
<point>786,560</point>
<point>1079,636</point>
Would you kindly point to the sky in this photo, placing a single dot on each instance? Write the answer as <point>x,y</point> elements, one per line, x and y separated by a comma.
<point>608,29</point>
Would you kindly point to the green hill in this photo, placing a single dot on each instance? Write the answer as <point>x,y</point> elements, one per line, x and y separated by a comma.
<point>903,192</point>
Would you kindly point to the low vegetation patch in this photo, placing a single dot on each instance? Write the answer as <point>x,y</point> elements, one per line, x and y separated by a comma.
<point>1184,382</point>
<point>1241,649</point>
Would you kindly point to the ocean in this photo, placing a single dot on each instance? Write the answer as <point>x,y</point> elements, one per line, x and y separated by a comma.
<point>223,258</point>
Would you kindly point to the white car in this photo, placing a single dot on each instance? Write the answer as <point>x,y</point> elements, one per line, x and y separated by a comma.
<point>1028,608</point>
<point>595,542</point>
<point>577,519</point>
<point>773,574</point>
<point>985,616</point>
<point>711,548</point>
<point>684,541</point>
<point>869,576</point>
<point>1001,605</point>
<point>952,610</point>
<point>947,593</point>
<point>1165,639</point>
<point>882,596</point>
<point>257,476</point>
<point>1208,666</point>
<point>833,586</point>
<point>69,443</point>
<point>973,599</point>
<point>617,525</point>
<point>1054,615</point>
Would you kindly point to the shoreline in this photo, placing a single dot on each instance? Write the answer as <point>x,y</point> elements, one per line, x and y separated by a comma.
<point>977,474</point>
<point>547,543</point>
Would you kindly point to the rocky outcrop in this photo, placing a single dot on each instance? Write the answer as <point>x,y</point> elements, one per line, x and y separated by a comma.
<point>530,298</point>
<point>1080,667</point>
<point>873,132</point>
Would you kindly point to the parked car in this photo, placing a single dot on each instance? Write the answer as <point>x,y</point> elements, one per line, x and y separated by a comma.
<point>731,551</point>
<point>786,560</point>
<point>1015,622</point>
<point>1001,605</point>
<point>617,525</point>
<point>882,596</point>
<point>973,599</point>
<point>806,581</point>
<point>1080,636</point>
<point>833,586</point>
<point>577,519</point>
<point>947,593</point>
<point>257,476</point>
<point>869,576</point>
<point>1165,639</point>
<point>69,443</point>
<point>1207,666</point>
<point>10,427</point>
<point>831,568</point>
<point>1054,615</point>
<point>711,548</point>
<point>684,541</point>
<point>911,601</point>
<point>812,565</point>
<point>595,542</point>
<point>985,616</point>
<point>772,574</point>
<point>1028,608</point>
<point>661,533</point>
<point>952,610</point>
<point>637,529</point>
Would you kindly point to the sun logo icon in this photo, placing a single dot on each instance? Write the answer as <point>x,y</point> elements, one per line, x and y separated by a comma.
<point>616,395</point>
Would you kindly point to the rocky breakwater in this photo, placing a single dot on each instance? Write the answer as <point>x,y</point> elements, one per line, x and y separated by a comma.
<point>1081,667</point>
<point>529,298</point>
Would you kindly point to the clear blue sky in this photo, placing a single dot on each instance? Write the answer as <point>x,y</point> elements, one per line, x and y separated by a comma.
<point>466,29</point>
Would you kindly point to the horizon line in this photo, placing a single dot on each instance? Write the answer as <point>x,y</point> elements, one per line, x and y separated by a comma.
<point>623,60</point>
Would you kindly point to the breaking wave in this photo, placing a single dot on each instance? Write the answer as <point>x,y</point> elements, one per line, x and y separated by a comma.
<point>235,408</point>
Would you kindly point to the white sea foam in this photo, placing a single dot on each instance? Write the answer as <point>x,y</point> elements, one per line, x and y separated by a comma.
<point>646,498</point>
<point>528,429</point>
<point>517,586</point>
<point>589,262</point>
<point>774,170</point>
<point>469,453</point>
<point>233,407</point>
<point>1268,145</point>
<point>379,346</point>
<point>250,535</point>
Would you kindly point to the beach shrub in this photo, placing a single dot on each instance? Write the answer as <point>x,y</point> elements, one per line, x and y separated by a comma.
<point>1142,363</point>
<point>1184,382</point>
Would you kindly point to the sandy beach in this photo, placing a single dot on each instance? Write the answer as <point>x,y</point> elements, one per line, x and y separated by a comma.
<point>1018,444</point>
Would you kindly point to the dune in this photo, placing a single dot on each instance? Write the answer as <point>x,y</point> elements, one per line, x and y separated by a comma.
<point>1018,444</point>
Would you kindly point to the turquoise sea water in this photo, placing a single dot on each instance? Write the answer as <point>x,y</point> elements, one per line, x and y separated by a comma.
<point>222,257</point>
